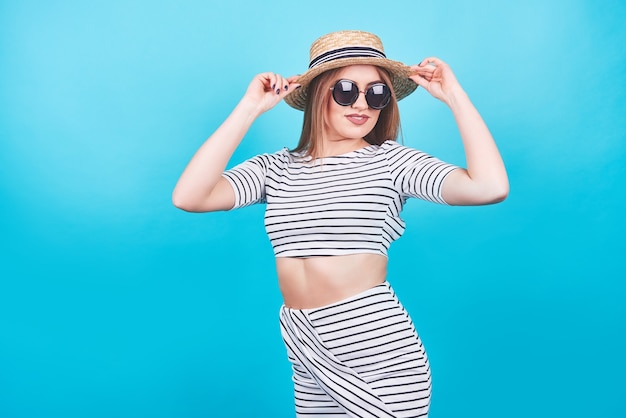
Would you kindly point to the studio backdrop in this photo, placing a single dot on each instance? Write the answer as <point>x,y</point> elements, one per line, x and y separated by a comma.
<point>115,303</point>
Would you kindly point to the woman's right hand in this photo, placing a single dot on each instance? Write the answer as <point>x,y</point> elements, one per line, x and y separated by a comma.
<point>267,89</point>
<point>201,187</point>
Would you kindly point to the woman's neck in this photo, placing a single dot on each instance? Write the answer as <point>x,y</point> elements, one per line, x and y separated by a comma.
<point>338,147</point>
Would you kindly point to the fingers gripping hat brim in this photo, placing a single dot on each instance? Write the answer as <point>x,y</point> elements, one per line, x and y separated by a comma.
<point>340,49</point>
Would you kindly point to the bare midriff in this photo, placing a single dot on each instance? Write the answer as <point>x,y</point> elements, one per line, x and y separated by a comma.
<point>307,283</point>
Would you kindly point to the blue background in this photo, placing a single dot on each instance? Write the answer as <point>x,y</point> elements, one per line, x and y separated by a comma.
<point>114,303</point>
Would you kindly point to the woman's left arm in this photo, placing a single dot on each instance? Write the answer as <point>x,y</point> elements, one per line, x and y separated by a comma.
<point>485,180</point>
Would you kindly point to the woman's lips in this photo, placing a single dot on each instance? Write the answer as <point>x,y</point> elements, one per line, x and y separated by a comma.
<point>357,119</point>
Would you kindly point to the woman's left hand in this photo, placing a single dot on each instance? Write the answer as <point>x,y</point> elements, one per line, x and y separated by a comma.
<point>485,180</point>
<point>436,77</point>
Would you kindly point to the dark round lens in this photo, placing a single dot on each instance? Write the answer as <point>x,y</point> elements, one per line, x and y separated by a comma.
<point>345,92</point>
<point>378,96</point>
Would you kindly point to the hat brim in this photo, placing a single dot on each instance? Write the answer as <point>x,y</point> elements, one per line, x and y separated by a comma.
<point>399,72</point>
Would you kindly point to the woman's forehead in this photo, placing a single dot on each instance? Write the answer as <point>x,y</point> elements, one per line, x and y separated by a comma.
<point>367,72</point>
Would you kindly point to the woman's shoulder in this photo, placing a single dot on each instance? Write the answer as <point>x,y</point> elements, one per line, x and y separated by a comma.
<point>397,153</point>
<point>280,154</point>
<point>283,156</point>
<point>393,147</point>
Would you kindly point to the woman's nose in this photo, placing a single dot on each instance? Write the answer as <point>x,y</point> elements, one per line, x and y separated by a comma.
<point>360,102</point>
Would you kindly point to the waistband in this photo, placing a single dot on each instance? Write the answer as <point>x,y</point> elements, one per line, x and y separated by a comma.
<point>384,287</point>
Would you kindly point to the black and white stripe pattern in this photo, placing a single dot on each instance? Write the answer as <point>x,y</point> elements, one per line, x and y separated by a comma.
<point>347,52</point>
<point>344,204</point>
<point>360,357</point>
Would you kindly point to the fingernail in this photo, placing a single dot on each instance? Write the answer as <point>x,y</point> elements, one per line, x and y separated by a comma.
<point>273,86</point>
<point>297,87</point>
<point>277,91</point>
<point>286,87</point>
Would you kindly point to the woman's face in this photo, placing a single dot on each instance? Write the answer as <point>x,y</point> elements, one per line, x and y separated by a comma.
<point>357,120</point>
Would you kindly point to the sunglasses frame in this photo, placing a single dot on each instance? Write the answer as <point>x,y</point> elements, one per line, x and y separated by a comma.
<point>367,91</point>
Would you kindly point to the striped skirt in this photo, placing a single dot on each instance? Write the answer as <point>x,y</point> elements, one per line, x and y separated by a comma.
<point>360,357</point>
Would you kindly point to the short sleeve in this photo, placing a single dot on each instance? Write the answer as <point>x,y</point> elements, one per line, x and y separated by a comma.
<point>248,180</point>
<point>415,173</point>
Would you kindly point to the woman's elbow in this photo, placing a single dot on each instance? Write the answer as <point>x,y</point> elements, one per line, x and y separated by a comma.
<point>183,202</point>
<point>217,200</point>
<point>464,191</point>
<point>499,192</point>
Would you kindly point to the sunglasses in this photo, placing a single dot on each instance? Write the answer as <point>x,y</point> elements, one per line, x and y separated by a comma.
<point>346,93</point>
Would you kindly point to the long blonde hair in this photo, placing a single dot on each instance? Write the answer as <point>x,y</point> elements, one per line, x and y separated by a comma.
<point>318,97</point>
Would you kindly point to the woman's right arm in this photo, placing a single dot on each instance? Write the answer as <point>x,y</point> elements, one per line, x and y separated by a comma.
<point>201,187</point>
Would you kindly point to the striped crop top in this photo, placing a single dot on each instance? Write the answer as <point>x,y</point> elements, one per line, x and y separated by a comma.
<point>338,205</point>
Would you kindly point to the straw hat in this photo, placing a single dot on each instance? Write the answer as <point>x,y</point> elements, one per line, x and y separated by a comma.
<point>339,49</point>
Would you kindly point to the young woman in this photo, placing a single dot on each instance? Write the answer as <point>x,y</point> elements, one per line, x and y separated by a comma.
<point>333,208</point>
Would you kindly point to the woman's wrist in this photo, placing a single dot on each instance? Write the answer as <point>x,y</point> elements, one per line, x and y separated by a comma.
<point>249,108</point>
<point>457,99</point>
